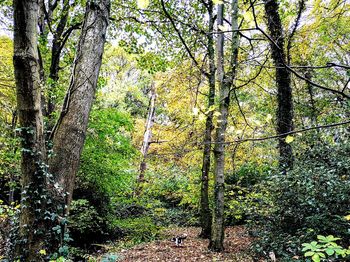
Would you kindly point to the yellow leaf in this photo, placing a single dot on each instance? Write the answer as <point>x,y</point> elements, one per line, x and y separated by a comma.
<point>195,111</point>
<point>289,139</point>
<point>268,117</point>
<point>239,132</point>
<point>211,108</point>
<point>216,113</point>
<point>257,122</point>
<point>142,4</point>
<point>230,130</point>
<point>42,252</point>
<point>347,217</point>
<point>218,2</point>
<point>201,117</point>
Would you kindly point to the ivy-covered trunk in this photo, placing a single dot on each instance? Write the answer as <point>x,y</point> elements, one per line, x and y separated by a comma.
<point>31,232</point>
<point>283,82</point>
<point>70,131</point>
<point>37,235</point>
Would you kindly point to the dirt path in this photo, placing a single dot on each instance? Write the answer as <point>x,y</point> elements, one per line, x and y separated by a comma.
<point>194,249</point>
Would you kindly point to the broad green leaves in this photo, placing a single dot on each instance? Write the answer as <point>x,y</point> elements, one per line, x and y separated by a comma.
<point>324,247</point>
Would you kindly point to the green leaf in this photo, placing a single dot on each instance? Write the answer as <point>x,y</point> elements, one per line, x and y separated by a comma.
<point>321,254</point>
<point>309,254</point>
<point>316,258</point>
<point>330,251</point>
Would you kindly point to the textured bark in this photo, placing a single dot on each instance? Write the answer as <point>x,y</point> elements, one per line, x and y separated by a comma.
<point>70,130</point>
<point>205,211</point>
<point>26,65</point>
<point>283,82</point>
<point>225,83</point>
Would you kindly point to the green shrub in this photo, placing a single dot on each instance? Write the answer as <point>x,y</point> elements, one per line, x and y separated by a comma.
<point>325,247</point>
<point>244,193</point>
<point>105,172</point>
<point>85,223</point>
<point>137,230</point>
<point>309,201</point>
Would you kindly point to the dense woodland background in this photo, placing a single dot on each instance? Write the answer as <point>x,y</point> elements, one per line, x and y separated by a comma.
<point>122,119</point>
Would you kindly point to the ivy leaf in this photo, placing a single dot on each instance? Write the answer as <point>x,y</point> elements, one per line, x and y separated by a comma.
<point>289,139</point>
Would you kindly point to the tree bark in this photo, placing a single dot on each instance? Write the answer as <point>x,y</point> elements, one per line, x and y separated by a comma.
<point>225,83</point>
<point>205,212</point>
<point>70,130</point>
<point>147,138</point>
<point>283,82</point>
<point>26,67</point>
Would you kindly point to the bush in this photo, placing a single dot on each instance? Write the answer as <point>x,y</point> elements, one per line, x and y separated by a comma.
<point>309,201</point>
<point>85,223</point>
<point>105,171</point>
<point>137,229</point>
<point>244,193</point>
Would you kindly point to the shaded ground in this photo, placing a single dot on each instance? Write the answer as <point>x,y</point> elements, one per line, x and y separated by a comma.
<point>237,242</point>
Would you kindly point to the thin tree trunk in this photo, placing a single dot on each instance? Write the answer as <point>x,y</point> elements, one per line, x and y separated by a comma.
<point>205,211</point>
<point>225,83</point>
<point>11,175</point>
<point>147,137</point>
<point>70,130</point>
<point>57,45</point>
<point>308,75</point>
<point>26,65</point>
<point>283,82</point>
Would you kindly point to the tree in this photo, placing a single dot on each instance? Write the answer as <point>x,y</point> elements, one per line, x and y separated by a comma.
<point>209,73</point>
<point>283,82</point>
<point>206,216</point>
<point>226,82</point>
<point>70,130</point>
<point>26,64</point>
<point>68,135</point>
<point>147,136</point>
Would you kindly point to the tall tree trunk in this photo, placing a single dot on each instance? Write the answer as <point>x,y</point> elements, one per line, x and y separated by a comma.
<point>70,130</point>
<point>26,64</point>
<point>283,82</point>
<point>225,83</point>
<point>147,138</point>
<point>205,211</point>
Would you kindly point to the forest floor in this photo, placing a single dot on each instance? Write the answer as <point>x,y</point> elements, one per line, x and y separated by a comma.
<point>237,242</point>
